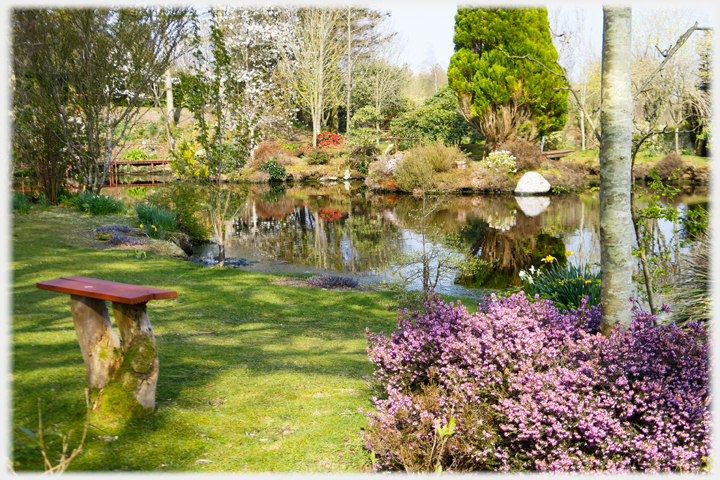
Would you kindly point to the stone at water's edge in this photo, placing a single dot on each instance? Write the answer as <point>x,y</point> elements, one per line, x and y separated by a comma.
<point>532,183</point>
<point>533,206</point>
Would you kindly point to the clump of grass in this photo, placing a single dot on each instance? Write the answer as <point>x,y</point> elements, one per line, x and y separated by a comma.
<point>566,285</point>
<point>95,204</point>
<point>21,203</point>
<point>332,281</point>
<point>691,294</point>
<point>155,220</point>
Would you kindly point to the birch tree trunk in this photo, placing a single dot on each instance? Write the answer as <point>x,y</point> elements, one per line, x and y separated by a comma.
<point>615,165</point>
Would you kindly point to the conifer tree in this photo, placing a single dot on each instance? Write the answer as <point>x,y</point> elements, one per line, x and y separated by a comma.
<point>496,93</point>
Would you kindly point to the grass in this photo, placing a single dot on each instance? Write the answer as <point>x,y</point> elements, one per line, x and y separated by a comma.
<point>254,377</point>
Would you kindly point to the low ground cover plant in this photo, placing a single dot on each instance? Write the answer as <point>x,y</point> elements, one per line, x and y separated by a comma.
<point>332,281</point>
<point>521,386</point>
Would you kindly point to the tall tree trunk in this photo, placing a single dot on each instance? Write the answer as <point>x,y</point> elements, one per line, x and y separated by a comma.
<point>615,165</point>
<point>349,69</point>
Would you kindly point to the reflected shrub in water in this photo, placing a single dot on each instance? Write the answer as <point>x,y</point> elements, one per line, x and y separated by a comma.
<point>533,388</point>
<point>566,285</point>
<point>332,281</point>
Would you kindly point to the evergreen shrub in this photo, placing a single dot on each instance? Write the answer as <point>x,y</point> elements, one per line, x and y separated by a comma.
<point>316,156</point>
<point>521,386</point>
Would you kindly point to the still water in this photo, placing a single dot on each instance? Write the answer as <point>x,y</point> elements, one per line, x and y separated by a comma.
<point>344,228</point>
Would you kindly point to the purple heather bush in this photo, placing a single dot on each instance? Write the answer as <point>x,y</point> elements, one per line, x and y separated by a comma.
<point>121,239</point>
<point>521,386</point>
<point>332,281</point>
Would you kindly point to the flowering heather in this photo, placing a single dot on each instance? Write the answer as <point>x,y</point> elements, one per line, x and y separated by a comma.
<point>113,229</point>
<point>120,239</point>
<point>534,389</point>
<point>332,281</point>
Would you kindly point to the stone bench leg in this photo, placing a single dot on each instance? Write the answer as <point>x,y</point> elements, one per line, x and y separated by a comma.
<point>99,344</point>
<point>139,370</point>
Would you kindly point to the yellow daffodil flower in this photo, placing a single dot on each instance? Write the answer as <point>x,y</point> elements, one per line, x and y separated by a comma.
<point>568,252</point>
<point>141,225</point>
<point>588,281</point>
<point>549,259</point>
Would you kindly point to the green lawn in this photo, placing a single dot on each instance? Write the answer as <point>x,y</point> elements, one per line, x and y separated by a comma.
<point>253,376</point>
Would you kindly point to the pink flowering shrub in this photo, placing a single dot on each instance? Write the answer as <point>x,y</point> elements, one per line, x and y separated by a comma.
<point>520,386</point>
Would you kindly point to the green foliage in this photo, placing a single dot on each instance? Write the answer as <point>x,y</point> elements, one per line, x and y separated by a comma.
<point>21,204</point>
<point>316,156</point>
<point>360,162</point>
<point>135,154</point>
<point>271,167</point>
<point>414,172</point>
<point>419,166</point>
<point>184,200</point>
<point>154,220</point>
<point>137,192</point>
<point>437,119</point>
<point>484,78</point>
<point>188,160</point>
<point>566,285</point>
<point>363,130</point>
<point>96,204</point>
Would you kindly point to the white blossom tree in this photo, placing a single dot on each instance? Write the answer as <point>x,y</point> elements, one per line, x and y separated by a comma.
<point>312,69</point>
<point>257,38</point>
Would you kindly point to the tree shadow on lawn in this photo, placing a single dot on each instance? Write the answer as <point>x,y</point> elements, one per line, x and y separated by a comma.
<point>204,338</point>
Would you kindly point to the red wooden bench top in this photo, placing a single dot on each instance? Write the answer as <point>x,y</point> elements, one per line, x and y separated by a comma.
<point>105,290</point>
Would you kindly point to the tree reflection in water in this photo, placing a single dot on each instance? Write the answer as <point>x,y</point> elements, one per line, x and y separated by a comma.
<point>354,231</point>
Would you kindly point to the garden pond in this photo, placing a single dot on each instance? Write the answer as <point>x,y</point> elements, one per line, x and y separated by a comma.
<point>344,229</point>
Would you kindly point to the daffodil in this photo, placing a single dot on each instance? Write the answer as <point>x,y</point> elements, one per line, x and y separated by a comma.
<point>141,225</point>
<point>548,259</point>
<point>568,252</point>
<point>153,226</point>
<point>588,281</point>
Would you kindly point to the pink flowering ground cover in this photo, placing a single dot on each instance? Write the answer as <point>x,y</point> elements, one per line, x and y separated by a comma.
<point>521,386</point>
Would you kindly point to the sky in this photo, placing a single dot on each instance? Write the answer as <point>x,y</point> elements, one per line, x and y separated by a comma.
<point>430,25</point>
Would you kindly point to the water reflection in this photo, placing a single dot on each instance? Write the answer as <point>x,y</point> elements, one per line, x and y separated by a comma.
<point>346,229</point>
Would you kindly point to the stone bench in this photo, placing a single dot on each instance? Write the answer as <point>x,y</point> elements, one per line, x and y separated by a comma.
<point>115,365</point>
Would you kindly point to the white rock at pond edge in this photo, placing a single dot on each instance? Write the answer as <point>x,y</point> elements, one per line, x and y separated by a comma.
<point>532,182</point>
